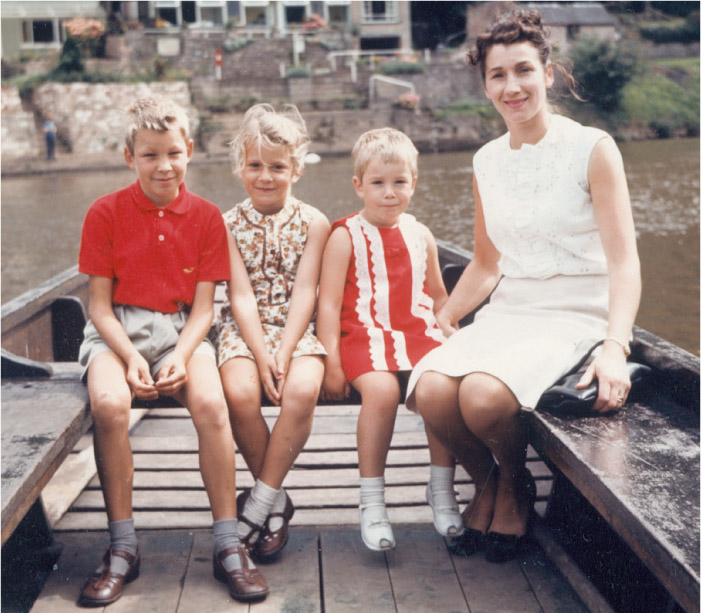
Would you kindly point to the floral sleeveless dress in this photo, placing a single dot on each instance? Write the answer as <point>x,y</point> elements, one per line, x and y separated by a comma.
<point>271,247</point>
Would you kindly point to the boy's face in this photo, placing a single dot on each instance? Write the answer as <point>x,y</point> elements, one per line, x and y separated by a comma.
<point>268,176</point>
<point>160,160</point>
<point>386,188</point>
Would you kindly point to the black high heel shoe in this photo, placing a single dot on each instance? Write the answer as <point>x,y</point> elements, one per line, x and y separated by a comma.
<point>500,547</point>
<point>468,543</point>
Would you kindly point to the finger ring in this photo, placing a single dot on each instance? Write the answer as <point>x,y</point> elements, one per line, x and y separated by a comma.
<point>620,398</point>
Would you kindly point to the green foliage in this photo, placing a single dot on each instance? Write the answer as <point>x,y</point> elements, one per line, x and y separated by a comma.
<point>665,98</point>
<point>299,72</point>
<point>231,45</point>
<point>467,107</point>
<point>680,9</point>
<point>389,68</point>
<point>677,31</point>
<point>71,60</point>
<point>602,68</point>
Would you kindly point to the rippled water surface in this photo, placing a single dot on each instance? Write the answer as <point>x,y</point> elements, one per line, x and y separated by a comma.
<point>42,218</point>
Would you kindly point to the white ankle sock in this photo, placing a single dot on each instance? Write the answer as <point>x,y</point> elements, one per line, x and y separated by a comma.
<point>257,506</point>
<point>279,504</point>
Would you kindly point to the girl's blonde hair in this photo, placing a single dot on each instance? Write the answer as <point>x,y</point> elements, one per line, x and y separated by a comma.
<point>157,113</point>
<point>269,127</point>
<point>389,145</point>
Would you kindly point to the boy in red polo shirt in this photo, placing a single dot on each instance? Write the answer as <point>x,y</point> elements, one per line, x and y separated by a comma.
<point>154,252</point>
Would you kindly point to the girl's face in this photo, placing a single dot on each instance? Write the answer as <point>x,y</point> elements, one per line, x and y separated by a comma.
<point>268,176</point>
<point>516,82</point>
<point>386,189</point>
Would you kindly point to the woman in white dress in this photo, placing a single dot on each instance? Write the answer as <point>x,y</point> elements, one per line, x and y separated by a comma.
<point>554,235</point>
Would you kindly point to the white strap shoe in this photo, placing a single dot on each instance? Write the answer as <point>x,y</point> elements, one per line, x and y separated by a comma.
<point>446,513</point>
<point>375,528</point>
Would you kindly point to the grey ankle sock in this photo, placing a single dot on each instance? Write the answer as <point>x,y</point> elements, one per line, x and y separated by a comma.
<point>226,536</point>
<point>122,538</point>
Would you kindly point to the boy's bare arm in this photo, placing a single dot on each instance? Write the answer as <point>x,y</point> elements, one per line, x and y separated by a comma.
<point>101,313</point>
<point>334,269</point>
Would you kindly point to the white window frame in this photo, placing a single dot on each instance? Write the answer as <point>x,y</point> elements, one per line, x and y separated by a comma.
<point>391,14</point>
<point>211,4</point>
<point>170,4</point>
<point>296,3</point>
<point>58,34</point>
<point>264,4</point>
<point>329,3</point>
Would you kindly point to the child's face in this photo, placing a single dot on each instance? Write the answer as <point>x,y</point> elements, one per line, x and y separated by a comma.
<point>268,176</point>
<point>386,188</point>
<point>160,160</point>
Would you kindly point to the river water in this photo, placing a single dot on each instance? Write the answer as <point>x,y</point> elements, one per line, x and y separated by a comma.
<point>42,218</point>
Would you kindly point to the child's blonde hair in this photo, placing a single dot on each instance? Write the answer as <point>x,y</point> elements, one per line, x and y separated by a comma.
<point>271,128</point>
<point>155,113</point>
<point>389,145</point>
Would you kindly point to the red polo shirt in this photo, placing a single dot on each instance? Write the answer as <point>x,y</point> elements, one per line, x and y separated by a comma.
<point>156,255</point>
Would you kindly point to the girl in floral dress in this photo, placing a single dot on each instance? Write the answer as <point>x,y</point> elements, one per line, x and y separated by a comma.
<point>265,335</point>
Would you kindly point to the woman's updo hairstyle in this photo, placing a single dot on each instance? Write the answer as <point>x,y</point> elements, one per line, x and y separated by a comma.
<point>519,27</point>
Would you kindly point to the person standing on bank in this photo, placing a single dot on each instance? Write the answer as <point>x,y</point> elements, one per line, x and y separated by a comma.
<point>554,238</point>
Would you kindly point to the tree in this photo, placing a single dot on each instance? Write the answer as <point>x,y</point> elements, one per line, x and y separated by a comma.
<point>71,60</point>
<point>601,69</point>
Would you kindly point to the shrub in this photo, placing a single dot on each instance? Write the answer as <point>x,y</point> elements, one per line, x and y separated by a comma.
<point>602,68</point>
<point>389,68</point>
<point>231,45</point>
<point>686,31</point>
<point>299,72</point>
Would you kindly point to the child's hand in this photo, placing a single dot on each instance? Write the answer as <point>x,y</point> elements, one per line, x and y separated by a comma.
<point>140,380</point>
<point>282,362</point>
<point>268,370</point>
<point>335,385</point>
<point>446,326</point>
<point>172,375</point>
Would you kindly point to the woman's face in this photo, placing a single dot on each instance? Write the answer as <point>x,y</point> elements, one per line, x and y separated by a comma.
<point>516,82</point>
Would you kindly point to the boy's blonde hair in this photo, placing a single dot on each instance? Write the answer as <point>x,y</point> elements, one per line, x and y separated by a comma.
<point>389,145</point>
<point>154,113</point>
<point>271,128</point>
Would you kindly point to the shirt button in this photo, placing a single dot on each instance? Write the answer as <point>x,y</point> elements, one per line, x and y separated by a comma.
<point>161,213</point>
<point>161,237</point>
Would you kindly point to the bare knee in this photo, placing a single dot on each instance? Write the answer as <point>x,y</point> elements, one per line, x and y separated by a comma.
<point>485,403</point>
<point>433,395</point>
<point>208,410</point>
<point>110,411</point>
<point>300,397</point>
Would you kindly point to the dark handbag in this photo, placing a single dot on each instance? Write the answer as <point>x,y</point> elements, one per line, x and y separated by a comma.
<point>563,399</point>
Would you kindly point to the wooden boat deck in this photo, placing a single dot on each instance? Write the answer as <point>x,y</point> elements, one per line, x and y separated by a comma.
<point>325,566</point>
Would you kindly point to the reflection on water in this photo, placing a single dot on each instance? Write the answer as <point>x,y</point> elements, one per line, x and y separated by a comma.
<point>42,218</point>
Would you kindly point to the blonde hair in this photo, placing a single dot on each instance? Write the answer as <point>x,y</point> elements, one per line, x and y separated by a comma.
<point>271,128</point>
<point>154,113</point>
<point>389,145</point>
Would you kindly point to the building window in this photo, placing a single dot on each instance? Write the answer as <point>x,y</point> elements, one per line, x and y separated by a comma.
<point>211,15</point>
<point>256,16</point>
<point>41,32</point>
<point>572,32</point>
<point>338,14</point>
<point>168,10</point>
<point>294,14</point>
<point>378,11</point>
<point>189,12</point>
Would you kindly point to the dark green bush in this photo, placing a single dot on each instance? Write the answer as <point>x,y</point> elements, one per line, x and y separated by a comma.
<point>602,68</point>
<point>687,32</point>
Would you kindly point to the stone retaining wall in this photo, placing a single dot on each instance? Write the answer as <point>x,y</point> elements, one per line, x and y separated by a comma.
<point>19,131</point>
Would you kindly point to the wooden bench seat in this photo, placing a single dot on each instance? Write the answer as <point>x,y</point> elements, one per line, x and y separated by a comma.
<point>639,468</point>
<point>42,419</point>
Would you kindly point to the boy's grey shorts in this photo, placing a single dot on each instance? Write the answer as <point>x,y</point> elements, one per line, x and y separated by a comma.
<point>154,334</point>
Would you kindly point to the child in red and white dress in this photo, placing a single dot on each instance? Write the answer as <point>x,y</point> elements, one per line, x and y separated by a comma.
<point>380,285</point>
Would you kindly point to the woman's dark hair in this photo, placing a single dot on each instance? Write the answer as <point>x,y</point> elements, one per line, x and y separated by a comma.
<point>519,27</point>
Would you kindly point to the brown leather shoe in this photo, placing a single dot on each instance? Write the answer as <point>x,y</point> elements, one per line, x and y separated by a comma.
<point>104,587</point>
<point>246,583</point>
<point>270,543</point>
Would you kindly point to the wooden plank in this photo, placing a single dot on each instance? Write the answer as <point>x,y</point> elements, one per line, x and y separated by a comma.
<point>643,487</point>
<point>82,553</point>
<point>422,573</point>
<point>41,421</point>
<point>355,578</point>
<point>509,589</point>
<point>294,578</point>
<point>201,591</point>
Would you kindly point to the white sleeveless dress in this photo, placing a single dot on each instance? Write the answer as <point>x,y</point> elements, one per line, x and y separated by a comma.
<point>551,304</point>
